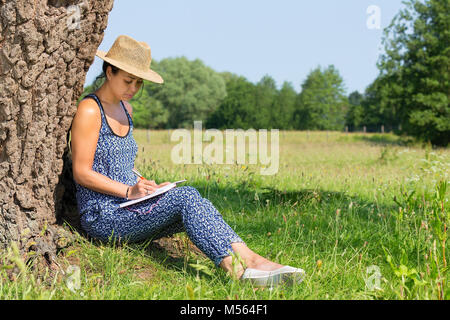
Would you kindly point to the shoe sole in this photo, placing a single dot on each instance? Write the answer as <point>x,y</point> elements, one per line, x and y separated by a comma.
<point>285,278</point>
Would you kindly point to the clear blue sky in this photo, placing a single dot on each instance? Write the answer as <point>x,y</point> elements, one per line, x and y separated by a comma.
<point>285,39</point>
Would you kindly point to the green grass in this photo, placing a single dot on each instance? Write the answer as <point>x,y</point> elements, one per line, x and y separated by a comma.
<point>340,207</point>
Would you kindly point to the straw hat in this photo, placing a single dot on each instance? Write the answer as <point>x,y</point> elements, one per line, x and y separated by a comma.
<point>131,56</point>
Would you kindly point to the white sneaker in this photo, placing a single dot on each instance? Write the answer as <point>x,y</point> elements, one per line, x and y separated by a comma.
<point>272,278</point>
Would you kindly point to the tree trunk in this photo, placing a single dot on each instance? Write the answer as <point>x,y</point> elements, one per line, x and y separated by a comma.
<point>46,49</point>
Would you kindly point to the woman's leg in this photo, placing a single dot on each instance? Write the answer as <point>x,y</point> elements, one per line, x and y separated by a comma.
<point>184,209</point>
<point>202,222</point>
<point>249,259</point>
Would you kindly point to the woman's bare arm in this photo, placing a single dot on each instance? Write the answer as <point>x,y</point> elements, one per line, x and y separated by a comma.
<point>85,131</point>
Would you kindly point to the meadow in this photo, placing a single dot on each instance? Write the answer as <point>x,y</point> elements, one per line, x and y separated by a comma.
<point>365,215</point>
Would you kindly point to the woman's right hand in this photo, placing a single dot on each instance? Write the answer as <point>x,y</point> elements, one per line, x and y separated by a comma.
<point>142,188</point>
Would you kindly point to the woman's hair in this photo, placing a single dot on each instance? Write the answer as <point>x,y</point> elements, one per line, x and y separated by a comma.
<point>100,79</point>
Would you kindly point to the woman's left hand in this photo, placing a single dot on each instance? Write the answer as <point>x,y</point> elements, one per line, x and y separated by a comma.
<point>163,184</point>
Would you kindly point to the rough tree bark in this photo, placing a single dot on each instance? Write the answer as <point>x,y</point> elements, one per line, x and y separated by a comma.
<point>46,49</point>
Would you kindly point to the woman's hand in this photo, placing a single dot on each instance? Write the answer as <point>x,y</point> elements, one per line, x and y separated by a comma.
<point>142,188</point>
<point>163,184</point>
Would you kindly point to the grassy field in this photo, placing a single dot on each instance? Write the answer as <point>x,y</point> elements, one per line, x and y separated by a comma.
<point>365,215</point>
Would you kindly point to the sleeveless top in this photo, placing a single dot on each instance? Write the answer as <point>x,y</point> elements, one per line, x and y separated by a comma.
<point>114,158</point>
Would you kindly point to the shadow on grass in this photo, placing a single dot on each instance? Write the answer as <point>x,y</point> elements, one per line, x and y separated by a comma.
<point>172,252</point>
<point>175,253</point>
<point>303,199</point>
<point>309,209</point>
<point>317,207</point>
<point>385,139</point>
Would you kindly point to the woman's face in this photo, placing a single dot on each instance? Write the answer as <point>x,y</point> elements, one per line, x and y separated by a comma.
<point>124,84</point>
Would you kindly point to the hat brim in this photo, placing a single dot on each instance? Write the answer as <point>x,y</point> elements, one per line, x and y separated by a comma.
<point>149,74</point>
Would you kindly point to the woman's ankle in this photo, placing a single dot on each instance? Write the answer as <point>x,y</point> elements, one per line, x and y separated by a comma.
<point>253,260</point>
<point>263,264</point>
<point>232,267</point>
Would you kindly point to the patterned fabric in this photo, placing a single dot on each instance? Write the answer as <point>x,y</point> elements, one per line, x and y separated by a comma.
<point>114,158</point>
<point>178,210</point>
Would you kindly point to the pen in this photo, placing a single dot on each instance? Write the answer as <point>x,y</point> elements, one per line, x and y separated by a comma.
<point>138,174</point>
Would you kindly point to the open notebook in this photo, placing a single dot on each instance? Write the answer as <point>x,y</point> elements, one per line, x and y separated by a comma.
<point>155,193</point>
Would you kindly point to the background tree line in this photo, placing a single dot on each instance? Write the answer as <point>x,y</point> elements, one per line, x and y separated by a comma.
<point>410,95</point>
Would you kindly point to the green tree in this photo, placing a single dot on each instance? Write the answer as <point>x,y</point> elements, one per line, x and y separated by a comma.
<point>265,94</point>
<point>355,113</point>
<point>322,104</point>
<point>283,107</point>
<point>375,113</point>
<point>191,90</point>
<point>148,112</point>
<point>238,109</point>
<point>414,70</point>
<point>227,76</point>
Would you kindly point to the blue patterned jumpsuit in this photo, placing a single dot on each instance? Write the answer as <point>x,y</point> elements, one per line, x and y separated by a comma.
<point>178,210</point>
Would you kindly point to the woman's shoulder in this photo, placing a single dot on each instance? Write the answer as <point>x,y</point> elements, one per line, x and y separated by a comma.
<point>88,106</point>
<point>88,112</point>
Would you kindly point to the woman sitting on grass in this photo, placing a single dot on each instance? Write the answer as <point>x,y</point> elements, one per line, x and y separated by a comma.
<point>103,154</point>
